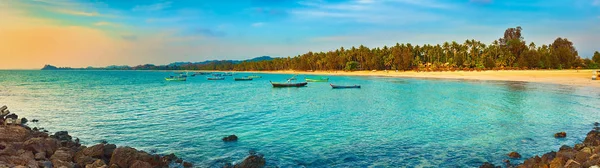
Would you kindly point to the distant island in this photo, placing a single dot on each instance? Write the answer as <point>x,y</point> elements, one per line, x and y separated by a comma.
<point>205,65</point>
<point>509,52</point>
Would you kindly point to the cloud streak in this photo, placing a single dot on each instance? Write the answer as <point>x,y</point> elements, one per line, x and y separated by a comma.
<point>152,7</point>
<point>77,13</point>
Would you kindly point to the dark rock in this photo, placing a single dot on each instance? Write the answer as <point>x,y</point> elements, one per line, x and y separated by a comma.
<point>514,155</point>
<point>547,158</point>
<point>560,135</point>
<point>12,116</point>
<point>230,138</point>
<point>596,124</point>
<point>24,120</point>
<point>187,164</point>
<point>35,120</point>
<point>62,136</point>
<point>252,161</point>
<point>564,147</point>
<point>487,165</point>
<point>108,150</point>
<point>169,158</point>
<point>592,138</point>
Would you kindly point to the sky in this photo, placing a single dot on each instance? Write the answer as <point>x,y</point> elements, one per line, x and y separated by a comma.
<point>81,33</point>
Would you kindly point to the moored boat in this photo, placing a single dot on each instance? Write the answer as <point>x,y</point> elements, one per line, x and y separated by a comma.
<point>254,76</point>
<point>344,87</point>
<point>176,78</point>
<point>281,84</point>
<point>317,80</point>
<point>215,78</point>
<point>243,79</point>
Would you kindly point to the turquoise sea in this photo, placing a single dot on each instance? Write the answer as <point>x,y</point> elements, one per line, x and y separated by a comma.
<point>390,122</point>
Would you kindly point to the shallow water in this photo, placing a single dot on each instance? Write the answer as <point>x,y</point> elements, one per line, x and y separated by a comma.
<point>390,122</point>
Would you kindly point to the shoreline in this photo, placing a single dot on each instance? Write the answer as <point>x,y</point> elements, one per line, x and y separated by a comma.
<point>561,77</point>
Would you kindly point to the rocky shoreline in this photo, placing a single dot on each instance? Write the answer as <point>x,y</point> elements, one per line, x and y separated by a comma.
<point>25,147</point>
<point>581,155</point>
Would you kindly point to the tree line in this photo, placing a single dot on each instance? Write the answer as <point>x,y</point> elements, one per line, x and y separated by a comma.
<point>509,52</point>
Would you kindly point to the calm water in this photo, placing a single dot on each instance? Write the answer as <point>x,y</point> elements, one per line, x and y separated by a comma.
<point>390,122</point>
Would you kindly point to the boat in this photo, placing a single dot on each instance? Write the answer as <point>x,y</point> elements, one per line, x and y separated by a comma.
<point>254,76</point>
<point>288,84</point>
<point>243,79</point>
<point>228,74</point>
<point>344,87</point>
<point>317,80</point>
<point>215,78</point>
<point>176,78</point>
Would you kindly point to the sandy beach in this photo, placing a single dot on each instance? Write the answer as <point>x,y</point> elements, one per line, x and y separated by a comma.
<point>563,77</point>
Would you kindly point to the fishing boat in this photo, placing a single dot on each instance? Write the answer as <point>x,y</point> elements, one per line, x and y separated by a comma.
<point>344,87</point>
<point>176,78</point>
<point>215,78</point>
<point>254,76</point>
<point>243,79</point>
<point>317,80</point>
<point>288,84</point>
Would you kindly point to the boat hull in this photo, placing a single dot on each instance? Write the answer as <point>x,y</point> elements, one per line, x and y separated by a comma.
<point>344,87</point>
<point>175,79</point>
<point>216,78</point>
<point>242,79</point>
<point>289,84</point>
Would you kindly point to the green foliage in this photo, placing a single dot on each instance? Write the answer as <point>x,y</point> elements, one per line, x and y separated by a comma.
<point>351,66</point>
<point>510,50</point>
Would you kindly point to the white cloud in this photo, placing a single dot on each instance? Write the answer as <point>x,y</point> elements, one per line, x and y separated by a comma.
<point>153,7</point>
<point>107,24</point>
<point>258,24</point>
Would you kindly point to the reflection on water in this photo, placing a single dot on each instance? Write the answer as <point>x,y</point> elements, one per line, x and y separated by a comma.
<point>389,122</point>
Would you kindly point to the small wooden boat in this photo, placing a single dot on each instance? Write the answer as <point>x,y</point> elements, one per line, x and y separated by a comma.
<point>243,79</point>
<point>176,78</point>
<point>281,84</point>
<point>317,80</point>
<point>344,87</point>
<point>215,78</point>
<point>254,76</point>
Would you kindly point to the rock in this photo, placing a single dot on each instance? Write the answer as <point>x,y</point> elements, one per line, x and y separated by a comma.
<point>114,166</point>
<point>35,120</point>
<point>21,157</point>
<point>514,155</point>
<point>12,116</point>
<point>547,158</point>
<point>63,154</point>
<point>45,164</point>
<point>13,133</point>
<point>581,157</point>
<point>230,138</point>
<point>169,158</point>
<point>61,163</point>
<point>62,136</point>
<point>96,151</point>
<point>96,164</point>
<point>564,147</point>
<point>140,164</point>
<point>592,138</point>
<point>252,161</point>
<point>557,162</point>
<point>560,135</point>
<point>123,157</point>
<point>109,149</point>
<point>82,160</point>
<point>40,156</point>
<point>487,165</point>
<point>46,145</point>
<point>586,150</point>
<point>24,120</point>
<point>187,164</point>
<point>7,149</point>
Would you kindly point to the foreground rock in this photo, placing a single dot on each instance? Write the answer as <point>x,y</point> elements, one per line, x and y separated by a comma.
<point>586,154</point>
<point>560,135</point>
<point>230,138</point>
<point>252,161</point>
<point>21,146</point>
<point>514,155</point>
